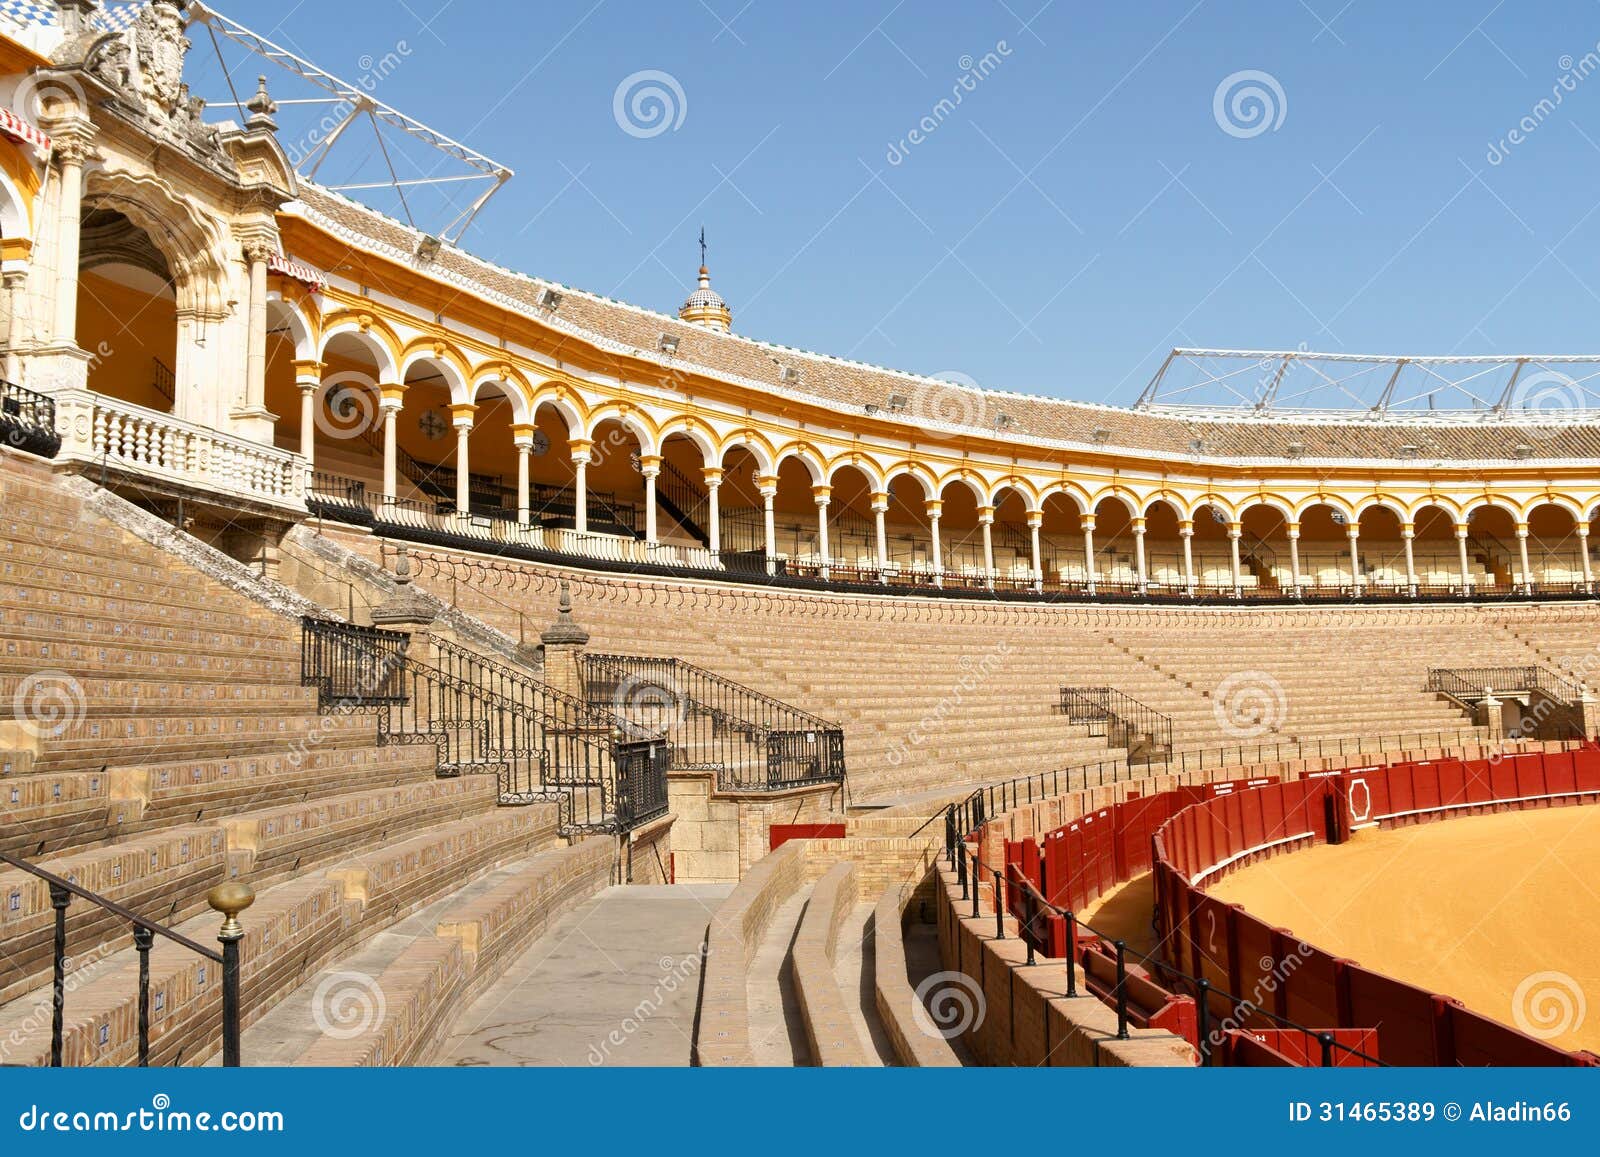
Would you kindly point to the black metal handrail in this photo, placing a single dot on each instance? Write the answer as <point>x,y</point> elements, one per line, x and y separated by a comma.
<point>752,741</point>
<point>1241,1008</point>
<point>543,745</point>
<point>346,495</point>
<point>1122,719</point>
<point>498,679</point>
<point>144,933</point>
<point>684,499</point>
<point>1003,795</point>
<point>28,420</point>
<point>1471,682</point>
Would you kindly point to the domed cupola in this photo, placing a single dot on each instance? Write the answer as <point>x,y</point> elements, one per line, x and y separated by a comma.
<point>705,305</point>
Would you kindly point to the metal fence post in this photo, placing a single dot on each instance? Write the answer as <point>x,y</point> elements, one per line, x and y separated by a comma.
<point>59,899</point>
<point>1203,1021</point>
<point>230,899</point>
<point>999,910</point>
<point>1122,989</point>
<point>1072,954</point>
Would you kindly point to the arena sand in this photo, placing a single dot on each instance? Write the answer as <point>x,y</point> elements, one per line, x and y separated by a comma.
<point>1501,912</point>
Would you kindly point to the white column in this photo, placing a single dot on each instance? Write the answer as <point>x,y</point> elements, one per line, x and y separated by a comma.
<point>1294,557</point>
<point>1036,520</point>
<point>1522,554</point>
<point>1140,574</point>
<point>16,286</point>
<point>649,468</point>
<point>934,507</point>
<point>767,486</point>
<point>822,495</point>
<point>522,438</point>
<point>255,369</point>
<point>461,418</point>
<point>1186,532</point>
<point>580,448</point>
<point>1408,534</point>
<point>1583,554</point>
<point>309,382</point>
<point>1461,549</point>
<point>1354,533</point>
<point>1087,521</point>
<point>1234,532</point>
<point>986,521</point>
<point>70,152</point>
<point>712,475</point>
<point>880,508</point>
<point>390,399</point>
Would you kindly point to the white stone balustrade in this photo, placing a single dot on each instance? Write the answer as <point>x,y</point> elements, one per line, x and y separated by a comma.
<point>100,430</point>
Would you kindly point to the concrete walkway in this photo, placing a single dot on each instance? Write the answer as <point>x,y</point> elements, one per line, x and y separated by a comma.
<point>614,983</point>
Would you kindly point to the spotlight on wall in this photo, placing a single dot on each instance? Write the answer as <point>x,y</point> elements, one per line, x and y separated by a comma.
<point>871,407</point>
<point>428,248</point>
<point>667,344</point>
<point>1297,449</point>
<point>549,298</point>
<point>1522,450</point>
<point>1410,450</point>
<point>1197,445</point>
<point>1002,421</point>
<point>1100,436</point>
<point>789,376</point>
<point>897,403</point>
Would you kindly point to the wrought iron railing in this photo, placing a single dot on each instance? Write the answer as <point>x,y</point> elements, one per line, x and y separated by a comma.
<point>607,774</point>
<point>335,496</point>
<point>28,420</point>
<point>1471,682</point>
<point>752,741</point>
<point>1122,719</point>
<point>229,899</point>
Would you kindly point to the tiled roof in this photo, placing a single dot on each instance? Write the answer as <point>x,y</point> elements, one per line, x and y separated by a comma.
<point>928,405</point>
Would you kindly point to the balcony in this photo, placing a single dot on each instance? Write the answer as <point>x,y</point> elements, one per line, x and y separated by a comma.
<point>109,434</point>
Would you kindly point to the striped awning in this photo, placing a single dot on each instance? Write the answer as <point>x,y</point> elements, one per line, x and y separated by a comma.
<point>301,272</point>
<point>18,129</point>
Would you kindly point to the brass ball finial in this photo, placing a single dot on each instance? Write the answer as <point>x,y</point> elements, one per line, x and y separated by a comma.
<point>230,899</point>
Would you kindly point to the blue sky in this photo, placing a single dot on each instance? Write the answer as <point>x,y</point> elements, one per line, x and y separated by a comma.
<point>1082,210</point>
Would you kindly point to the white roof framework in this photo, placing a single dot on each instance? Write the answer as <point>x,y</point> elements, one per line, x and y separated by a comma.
<point>401,166</point>
<point>1532,387</point>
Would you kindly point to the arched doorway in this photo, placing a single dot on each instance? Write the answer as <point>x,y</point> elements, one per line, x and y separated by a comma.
<point>127,312</point>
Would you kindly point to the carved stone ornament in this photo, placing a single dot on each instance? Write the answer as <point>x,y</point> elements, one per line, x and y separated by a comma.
<point>160,45</point>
